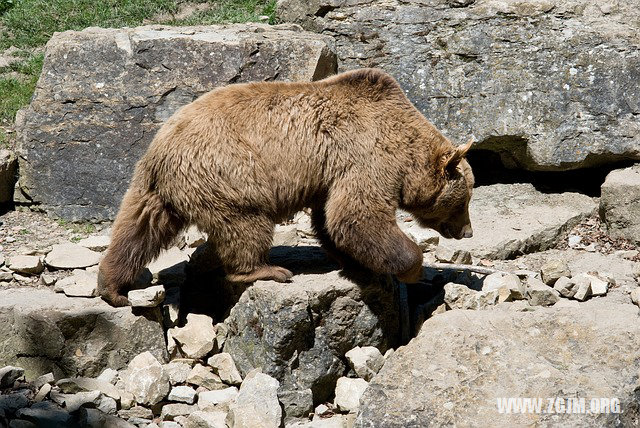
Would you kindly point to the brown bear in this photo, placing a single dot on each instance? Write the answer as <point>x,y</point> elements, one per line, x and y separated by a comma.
<point>244,157</point>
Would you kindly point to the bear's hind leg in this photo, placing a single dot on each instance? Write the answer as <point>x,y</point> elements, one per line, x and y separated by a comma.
<point>242,244</point>
<point>143,227</point>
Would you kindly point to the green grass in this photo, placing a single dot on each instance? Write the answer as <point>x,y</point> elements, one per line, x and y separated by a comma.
<point>28,25</point>
<point>77,228</point>
<point>231,11</point>
<point>15,92</point>
<point>31,23</point>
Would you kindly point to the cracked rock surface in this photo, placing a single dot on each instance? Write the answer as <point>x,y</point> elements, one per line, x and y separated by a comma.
<point>549,85</point>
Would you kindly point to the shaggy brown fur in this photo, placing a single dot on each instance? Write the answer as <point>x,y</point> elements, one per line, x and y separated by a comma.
<point>244,157</point>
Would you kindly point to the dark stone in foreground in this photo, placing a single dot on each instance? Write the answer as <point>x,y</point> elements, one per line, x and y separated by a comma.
<point>299,332</point>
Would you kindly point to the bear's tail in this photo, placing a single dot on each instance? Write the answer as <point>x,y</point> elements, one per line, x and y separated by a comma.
<point>144,225</point>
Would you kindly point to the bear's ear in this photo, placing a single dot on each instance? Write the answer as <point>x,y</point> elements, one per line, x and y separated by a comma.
<point>453,158</point>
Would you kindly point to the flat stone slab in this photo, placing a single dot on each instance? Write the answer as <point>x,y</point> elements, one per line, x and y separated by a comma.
<point>513,219</point>
<point>71,256</point>
<point>103,94</point>
<point>49,332</point>
<point>463,362</point>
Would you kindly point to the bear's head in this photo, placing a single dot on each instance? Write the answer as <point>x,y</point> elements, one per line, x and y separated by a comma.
<point>438,195</point>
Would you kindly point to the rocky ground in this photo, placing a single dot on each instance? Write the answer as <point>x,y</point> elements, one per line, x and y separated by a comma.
<point>542,302</point>
<point>197,351</point>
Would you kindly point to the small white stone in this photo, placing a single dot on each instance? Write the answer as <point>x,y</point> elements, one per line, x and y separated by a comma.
<point>182,394</point>
<point>109,375</point>
<point>348,393</point>
<point>136,412</point>
<point>80,284</point>
<point>574,241</point>
<point>224,367</point>
<point>540,294</point>
<point>554,269</point>
<point>285,235</point>
<point>220,399</point>
<point>170,411</point>
<point>95,243</point>
<point>149,297</point>
<point>321,410</point>
<point>583,284</point>
<point>565,286</point>
<point>42,392</point>
<point>177,372</point>
<point>145,379</point>
<point>257,404</point>
<point>635,296</point>
<point>365,361</point>
<point>200,419</point>
<point>29,265</point>
<point>196,337</point>
<point>449,255</point>
<point>508,285</point>
<point>458,296</point>
<point>9,374</point>
<point>47,279</point>
<point>599,287</point>
<point>203,376</point>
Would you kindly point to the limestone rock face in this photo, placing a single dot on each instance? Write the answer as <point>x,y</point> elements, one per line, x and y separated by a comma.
<point>299,332</point>
<point>620,203</point>
<point>49,332</point>
<point>103,94</point>
<point>546,84</point>
<point>462,362</point>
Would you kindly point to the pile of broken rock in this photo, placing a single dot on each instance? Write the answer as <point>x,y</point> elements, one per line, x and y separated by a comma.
<point>182,393</point>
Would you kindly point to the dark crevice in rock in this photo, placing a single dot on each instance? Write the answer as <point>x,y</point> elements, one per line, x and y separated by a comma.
<point>493,167</point>
<point>324,9</point>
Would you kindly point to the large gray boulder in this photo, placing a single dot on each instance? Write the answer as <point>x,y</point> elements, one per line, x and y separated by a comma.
<point>462,363</point>
<point>48,332</point>
<point>620,203</point>
<point>548,85</point>
<point>299,332</point>
<point>103,93</point>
